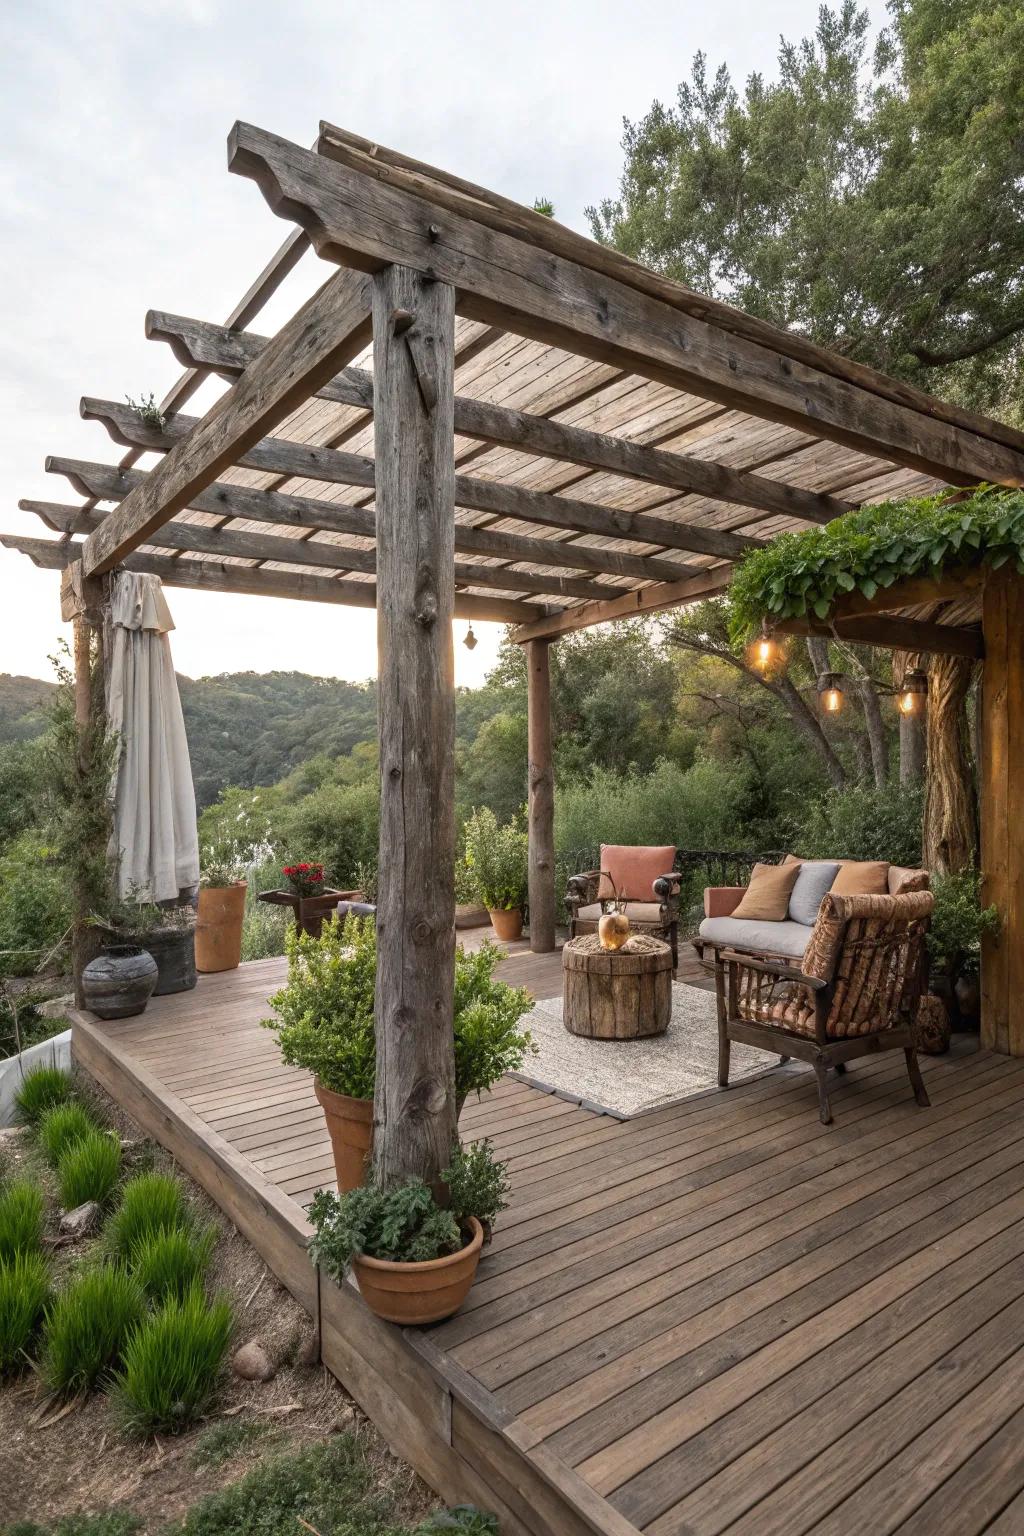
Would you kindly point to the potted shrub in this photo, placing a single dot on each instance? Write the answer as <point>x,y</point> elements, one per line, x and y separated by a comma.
<point>324,1023</point>
<point>220,915</point>
<point>470,911</point>
<point>497,858</point>
<point>308,896</point>
<point>954,942</point>
<point>413,1259</point>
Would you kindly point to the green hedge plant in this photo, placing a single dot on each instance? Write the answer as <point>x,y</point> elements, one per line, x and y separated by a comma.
<point>497,856</point>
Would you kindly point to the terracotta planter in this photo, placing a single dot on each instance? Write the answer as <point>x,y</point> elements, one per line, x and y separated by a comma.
<point>507,924</point>
<point>219,927</point>
<point>420,1293</point>
<point>350,1127</point>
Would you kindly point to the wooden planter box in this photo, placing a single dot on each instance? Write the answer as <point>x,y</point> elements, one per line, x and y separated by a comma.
<point>309,911</point>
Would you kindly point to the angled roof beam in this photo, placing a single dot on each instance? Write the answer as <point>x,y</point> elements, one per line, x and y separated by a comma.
<point>357,220</point>
<point>896,634</point>
<point>639,604</point>
<point>328,331</point>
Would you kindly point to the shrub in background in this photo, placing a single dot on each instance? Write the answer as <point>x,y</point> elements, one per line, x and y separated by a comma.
<point>35,906</point>
<point>42,1089</point>
<point>87,1327</point>
<point>497,857</point>
<point>61,1127</point>
<point>171,1263</point>
<point>89,1169</point>
<point>864,823</point>
<point>172,1363</point>
<point>24,1291</point>
<point>21,1219</point>
<point>958,923</point>
<point>149,1203</point>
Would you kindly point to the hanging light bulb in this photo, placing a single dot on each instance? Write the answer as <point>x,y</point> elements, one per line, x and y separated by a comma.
<point>830,692</point>
<point>911,697</point>
<point>470,641</point>
<point>766,653</point>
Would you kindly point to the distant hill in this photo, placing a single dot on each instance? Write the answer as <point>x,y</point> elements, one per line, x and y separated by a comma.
<point>243,728</point>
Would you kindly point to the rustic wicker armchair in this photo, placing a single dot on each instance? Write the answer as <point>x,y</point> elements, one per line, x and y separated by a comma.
<point>855,992</point>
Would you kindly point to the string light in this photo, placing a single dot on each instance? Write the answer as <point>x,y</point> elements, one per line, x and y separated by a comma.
<point>911,697</point>
<point>830,692</point>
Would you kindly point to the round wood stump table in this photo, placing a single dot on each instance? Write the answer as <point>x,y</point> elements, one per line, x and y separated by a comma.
<point>617,994</point>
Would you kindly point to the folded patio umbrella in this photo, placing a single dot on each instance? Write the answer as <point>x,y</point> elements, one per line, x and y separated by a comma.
<point>154,806</point>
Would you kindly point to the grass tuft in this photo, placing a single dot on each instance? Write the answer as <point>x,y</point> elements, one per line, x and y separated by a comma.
<point>21,1219</point>
<point>169,1263</point>
<point>172,1363</point>
<point>150,1203</point>
<point>42,1089</point>
<point>228,1439</point>
<point>61,1127</point>
<point>24,1292</point>
<point>89,1169</point>
<point>115,1522</point>
<point>87,1327</point>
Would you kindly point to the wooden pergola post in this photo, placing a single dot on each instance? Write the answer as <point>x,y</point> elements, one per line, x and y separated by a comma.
<point>1002,822</point>
<point>541,798</point>
<point>414,1100</point>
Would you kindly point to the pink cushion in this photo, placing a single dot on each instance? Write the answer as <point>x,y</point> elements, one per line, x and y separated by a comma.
<point>634,871</point>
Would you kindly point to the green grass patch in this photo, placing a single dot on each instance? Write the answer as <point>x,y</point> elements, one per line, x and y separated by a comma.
<point>42,1089</point>
<point>61,1127</point>
<point>229,1438</point>
<point>115,1522</point>
<point>172,1363</point>
<point>172,1263</point>
<point>88,1326</point>
<point>21,1218</point>
<point>89,1169</point>
<point>149,1203</point>
<point>24,1292</point>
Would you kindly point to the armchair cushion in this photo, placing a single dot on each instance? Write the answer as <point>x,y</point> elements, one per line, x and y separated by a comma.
<point>759,938</point>
<point>636,911</point>
<point>766,898</point>
<point>634,871</point>
<point>814,880</point>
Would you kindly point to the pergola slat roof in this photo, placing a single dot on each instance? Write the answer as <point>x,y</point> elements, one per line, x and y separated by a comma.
<point>619,441</point>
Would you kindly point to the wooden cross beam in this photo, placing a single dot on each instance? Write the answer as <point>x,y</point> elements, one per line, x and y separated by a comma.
<point>329,330</point>
<point>895,634</point>
<point>359,221</point>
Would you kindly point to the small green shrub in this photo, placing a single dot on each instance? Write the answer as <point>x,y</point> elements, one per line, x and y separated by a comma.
<point>171,1263</point>
<point>464,1519</point>
<point>172,1363</point>
<point>497,857</point>
<point>61,1127</point>
<point>42,1089</point>
<point>959,922</point>
<point>150,1203</point>
<point>89,1169</point>
<point>87,1327</point>
<point>24,1291</point>
<point>229,1438</point>
<point>114,1522</point>
<point>21,1219</point>
<point>477,1183</point>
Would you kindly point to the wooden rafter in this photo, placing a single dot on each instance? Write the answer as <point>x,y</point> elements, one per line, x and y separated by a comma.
<point>916,635</point>
<point>356,220</point>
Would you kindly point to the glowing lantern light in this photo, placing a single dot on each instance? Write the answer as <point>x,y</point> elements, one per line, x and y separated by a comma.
<point>913,693</point>
<point>830,692</point>
<point>766,654</point>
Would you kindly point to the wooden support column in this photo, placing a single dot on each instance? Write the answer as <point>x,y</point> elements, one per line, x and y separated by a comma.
<point>1002,821</point>
<point>415,1120</point>
<point>541,798</point>
<point>82,950</point>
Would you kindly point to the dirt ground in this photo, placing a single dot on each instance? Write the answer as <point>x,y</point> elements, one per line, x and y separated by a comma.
<point>82,1462</point>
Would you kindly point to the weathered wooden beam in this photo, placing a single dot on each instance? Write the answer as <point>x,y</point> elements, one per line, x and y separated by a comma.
<point>214,576</point>
<point>639,604</point>
<point>1002,825</point>
<point>415,1115</point>
<point>356,220</point>
<point>227,543</point>
<point>226,352</point>
<point>541,798</point>
<point>477,495</point>
<point>914,592</point>
<point>330,329</point>
<point>895,634</point>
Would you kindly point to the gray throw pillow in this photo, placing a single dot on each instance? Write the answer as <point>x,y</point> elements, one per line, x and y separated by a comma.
<point>813,881</point>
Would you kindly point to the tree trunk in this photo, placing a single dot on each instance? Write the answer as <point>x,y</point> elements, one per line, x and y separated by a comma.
<point>414,1099</point>
<point>875,728</point>
<point>950,815</point>
<point>809,726</point>
<point>912,727</point>
<point>541,799</point>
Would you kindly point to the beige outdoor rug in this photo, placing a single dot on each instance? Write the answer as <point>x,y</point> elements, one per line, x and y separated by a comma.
<point>626,1077</point>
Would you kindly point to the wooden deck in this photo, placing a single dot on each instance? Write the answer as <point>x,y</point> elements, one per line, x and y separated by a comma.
<point>719,1316</point>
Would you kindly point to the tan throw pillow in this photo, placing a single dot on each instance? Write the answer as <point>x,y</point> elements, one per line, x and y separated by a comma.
<point>767,896</point>
<point>870,878</point>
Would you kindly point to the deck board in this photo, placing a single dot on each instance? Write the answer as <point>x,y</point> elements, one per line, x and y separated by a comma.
<point>719,1316</point>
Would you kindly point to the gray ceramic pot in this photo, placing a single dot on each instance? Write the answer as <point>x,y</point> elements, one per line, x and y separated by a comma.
<point>119,982</point>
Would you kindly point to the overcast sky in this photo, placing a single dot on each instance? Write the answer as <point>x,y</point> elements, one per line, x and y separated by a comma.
<point>114,198</point>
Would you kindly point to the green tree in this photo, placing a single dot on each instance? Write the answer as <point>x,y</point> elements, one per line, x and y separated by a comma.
<point>868,198</point>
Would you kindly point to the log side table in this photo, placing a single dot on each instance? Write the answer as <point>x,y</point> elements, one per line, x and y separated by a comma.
<point>617,994</point>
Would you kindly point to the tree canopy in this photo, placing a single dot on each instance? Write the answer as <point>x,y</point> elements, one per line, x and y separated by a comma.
<point>869,197</point>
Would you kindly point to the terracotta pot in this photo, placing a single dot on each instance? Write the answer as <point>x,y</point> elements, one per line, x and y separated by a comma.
<point>119,982</point>
<point>613,929</point>
<point>420,1293</point>
<point>507,923</point>
<point>219,927</point>
<point>350,1127</point>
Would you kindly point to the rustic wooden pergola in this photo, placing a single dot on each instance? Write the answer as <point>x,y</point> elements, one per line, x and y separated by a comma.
<point>484,415</point>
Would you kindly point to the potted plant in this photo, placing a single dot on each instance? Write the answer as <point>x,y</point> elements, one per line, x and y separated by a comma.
<point>413,1258</point>
<point>324,1022</point>
<point>497,858</point>
<point>308,896</point>
<point>220,914</point>
<point>470,911</point>
<point>957,926</point>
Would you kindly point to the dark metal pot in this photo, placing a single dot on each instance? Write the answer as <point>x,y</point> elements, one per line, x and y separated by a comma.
<point>119,982</point>
<point>174,950</point>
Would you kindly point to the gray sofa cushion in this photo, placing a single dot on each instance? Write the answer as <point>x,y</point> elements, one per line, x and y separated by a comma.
<point>812,883</point>
<point>788,938</point>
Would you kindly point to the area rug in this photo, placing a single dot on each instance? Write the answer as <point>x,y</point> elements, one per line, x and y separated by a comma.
<point>626,1077</point>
